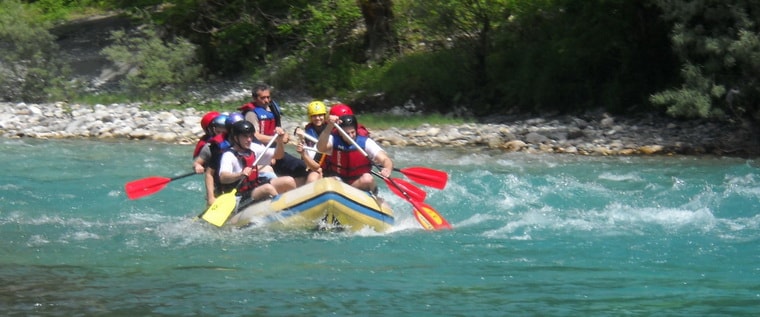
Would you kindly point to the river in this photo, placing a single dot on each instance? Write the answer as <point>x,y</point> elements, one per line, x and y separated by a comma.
<point>534,234</point>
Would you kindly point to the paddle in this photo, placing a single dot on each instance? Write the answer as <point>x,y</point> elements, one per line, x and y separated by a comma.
<point>401,187</point>
<point>224,205</point>
<point>149,185</point>
<point>425,215</point>
<point>428,217</point>
<point>423,175</point>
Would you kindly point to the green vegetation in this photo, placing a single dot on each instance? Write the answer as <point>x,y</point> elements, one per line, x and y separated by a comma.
<point>686,58</point>
<point>30,68</point>
<point>162,69</point>
<point>58,10</point>
<point>719,49</point>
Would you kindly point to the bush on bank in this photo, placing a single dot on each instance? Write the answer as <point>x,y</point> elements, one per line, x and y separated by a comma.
<point>488,57</point>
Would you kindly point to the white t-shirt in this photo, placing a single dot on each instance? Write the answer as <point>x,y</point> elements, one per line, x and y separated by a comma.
<point>311,154</point>
<point>231,164</point>
<point>371,147</point>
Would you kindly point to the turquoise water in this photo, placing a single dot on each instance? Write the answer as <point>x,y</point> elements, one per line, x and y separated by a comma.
<point>534,235</point>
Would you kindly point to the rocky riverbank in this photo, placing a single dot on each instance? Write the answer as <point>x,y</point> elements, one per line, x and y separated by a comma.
<point>590,134</point>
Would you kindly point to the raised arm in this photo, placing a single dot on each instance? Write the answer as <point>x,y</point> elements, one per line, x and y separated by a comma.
<point>324,145</point>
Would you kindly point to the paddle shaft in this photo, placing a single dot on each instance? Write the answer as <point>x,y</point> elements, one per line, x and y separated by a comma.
<point>307,136</point>
<point>240,182</point>
<point>424,175</point>
<point>258,157</point>
<point>394,184</point>
<point>431,215</point>
<point>313,139</point>
<point>181,176</point>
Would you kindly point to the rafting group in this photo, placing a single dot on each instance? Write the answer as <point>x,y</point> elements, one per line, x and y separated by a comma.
<point>250,178</point>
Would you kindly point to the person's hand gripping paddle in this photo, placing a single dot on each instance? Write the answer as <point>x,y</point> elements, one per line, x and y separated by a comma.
<point>428,217</point>
<point>218,213</point>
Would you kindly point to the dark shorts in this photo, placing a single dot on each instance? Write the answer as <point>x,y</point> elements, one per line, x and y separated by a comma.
<point>290,165</point>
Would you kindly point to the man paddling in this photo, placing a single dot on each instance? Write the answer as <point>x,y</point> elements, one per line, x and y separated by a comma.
<point>236,165</point>
<point>266,116</point>
<point>346,160</point>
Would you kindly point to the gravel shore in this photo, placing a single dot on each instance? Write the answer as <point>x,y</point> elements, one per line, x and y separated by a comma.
<point>590,134</point>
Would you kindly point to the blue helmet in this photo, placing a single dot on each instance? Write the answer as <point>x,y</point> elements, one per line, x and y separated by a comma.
<point>232,118</point>
<point>220,121</point>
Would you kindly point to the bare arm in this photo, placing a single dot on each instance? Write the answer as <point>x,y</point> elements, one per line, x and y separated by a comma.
<point>198,165</point>
<point>231,177</point>
<point>279,150</point>
<point>209,178</point>
<point>383,160</point>
<point>310,162</point>
<point>323,144</point>
<point>226,174</point>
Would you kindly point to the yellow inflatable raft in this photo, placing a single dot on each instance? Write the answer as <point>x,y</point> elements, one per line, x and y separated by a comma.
<point>324,204</point>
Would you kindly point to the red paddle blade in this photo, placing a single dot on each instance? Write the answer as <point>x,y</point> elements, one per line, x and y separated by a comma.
<point>403,188</point>
<point>426,176</point>
<point>428,217</point>
<point>146,186</point>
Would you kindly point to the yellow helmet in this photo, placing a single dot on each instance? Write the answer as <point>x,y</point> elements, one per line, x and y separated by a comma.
<point>316,108</point>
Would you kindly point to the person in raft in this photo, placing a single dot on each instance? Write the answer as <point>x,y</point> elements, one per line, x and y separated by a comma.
<point>341,109</point>
<point>316,112</point>
<point>208,157</point>
<point>266,115</point>
<point>237,164</point>
<point>209,131</point>
<point>346,161</point>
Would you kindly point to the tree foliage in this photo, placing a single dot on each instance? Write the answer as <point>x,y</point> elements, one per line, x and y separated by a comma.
<point>717,42</point>
<point>552,55</point>
<point>159,69</point>
<point>30,67</point>
<point>234,35</point>
<point>689,58</point>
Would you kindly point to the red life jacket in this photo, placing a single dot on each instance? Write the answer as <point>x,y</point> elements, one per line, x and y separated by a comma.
<point>267,121</point>
<point>347,161</point>
<point>362,130</point>
<point>246,107</point>
<point>246,159</point>
<point>201,142</point>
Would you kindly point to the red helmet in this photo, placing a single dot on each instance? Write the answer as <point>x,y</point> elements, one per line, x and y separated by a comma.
<point>207,118</point>
<point>341,109</point>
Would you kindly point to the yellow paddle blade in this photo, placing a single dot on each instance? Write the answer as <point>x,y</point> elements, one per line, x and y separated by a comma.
<point>424,222</point>
<point>221,209</point>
